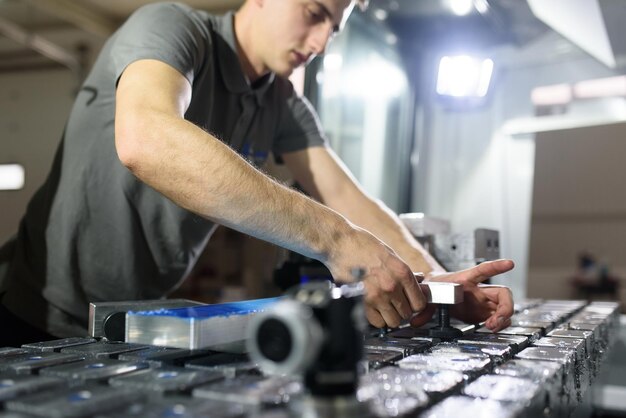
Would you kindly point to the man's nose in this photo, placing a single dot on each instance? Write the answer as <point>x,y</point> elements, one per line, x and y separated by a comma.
<point>319,37</point>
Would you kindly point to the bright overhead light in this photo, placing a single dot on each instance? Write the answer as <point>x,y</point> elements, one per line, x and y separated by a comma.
<point>333,62</point>
<point>461,7</point>
<point>11,176</point>
<point>464,76</point>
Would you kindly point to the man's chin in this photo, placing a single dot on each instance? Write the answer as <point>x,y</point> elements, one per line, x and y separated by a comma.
<point>284,72</point>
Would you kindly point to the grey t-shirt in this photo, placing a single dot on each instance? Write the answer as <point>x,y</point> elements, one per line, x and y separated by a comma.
<point>93,232</point>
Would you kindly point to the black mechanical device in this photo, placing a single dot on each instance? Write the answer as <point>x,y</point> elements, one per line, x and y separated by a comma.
<point>443,295</point>
<point>316,332</point>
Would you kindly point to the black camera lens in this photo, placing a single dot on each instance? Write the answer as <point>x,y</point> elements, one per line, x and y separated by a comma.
<point>274,340</point>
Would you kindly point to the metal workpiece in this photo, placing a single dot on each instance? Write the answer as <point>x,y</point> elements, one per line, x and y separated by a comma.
<point>92,370</point>
<point>541,316</point>
<point>228,364</point>
<point>181,406</point>
<point>498,353</point>
<point>582,359</point>
<point>220,326</point>
<point>463,250</point>
<point>530,394</point>
<point>32,362</point>
<point>547,374</point>
<point>533,334</point>
<point>75,402</point>
<point>403,345</point>
<point>565,305</point>
<point>442,292</point>
<point>534,319</point>
<point>571,390</point>
<point>473,407</point>
<point>516,342</point>
<point>307,406</point>
<point>421,225</point>
<point>12,351</point>
<point>16,386</point>
<point>436,383</point>
<point>103,349</point>
<point>147,353</point>
<point>408,332</point>
<point>472,366</point>
<point>454,349</point>
<point>587,336</point>
<point>389,398</point>
<point>252,390</point>
<point>176,357</point>
<point>165,380</point>
<point>376,358</point>
<point>525,304</point>
<point>108,319</point>
<point>58,345</point>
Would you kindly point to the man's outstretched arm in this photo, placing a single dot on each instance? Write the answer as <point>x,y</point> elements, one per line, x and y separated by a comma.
<point>320,172</point>
<point>200,173</point>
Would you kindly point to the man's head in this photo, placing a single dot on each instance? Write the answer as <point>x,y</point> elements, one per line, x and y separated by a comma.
<point>285,34</point>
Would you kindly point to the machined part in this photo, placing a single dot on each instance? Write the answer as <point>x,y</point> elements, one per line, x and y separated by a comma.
<point>442,292</point>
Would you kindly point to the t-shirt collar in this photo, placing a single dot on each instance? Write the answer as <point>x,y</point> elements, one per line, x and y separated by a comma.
<point>234,77</point>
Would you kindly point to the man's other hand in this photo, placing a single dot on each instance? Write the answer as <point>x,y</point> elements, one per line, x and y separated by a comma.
<point>493,304</point>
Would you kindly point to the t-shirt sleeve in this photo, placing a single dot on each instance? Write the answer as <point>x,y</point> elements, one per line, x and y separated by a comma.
<point>166,32</point>
<point>299,126</point>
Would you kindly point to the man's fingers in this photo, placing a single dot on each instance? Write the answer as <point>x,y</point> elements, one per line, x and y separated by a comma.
<point>390,315</point>
<point>374,317</point>
<point>499,326</point>
<point>505,302</point>
<point>487,269</point>
<point>423,317</point>
<point>401,304</point>
<point>504,309</point>
<point>414,294</point>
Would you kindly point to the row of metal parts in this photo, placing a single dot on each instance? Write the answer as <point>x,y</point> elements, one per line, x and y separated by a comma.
<point>540,367</point>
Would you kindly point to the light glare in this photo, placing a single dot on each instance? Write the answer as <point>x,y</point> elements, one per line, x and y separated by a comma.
<point>461,7</point>
<point>333,62</point>
<point>11,176</point>
<point>464,76</point>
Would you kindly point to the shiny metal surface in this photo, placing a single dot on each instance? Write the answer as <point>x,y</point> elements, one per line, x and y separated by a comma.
<point>100,312</point>
<point>442,292</point>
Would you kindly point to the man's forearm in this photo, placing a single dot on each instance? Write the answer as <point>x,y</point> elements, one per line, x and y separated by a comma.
<point>377,218</point>
<point>203,175</point>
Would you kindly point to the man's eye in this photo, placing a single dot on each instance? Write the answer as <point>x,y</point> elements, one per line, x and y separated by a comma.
<point>314,15</point>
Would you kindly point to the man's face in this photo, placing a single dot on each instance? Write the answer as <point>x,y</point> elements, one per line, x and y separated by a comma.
<point>294,31</point>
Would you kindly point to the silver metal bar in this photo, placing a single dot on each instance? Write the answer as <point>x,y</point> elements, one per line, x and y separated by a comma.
<point>102,312</point>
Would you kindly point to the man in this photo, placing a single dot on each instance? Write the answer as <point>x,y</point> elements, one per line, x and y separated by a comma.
<point>149,164</point>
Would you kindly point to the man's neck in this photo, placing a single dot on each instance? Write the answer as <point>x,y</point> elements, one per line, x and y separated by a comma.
<point>253,69</point>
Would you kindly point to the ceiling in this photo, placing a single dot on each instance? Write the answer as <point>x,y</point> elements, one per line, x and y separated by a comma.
<point>43,33</point>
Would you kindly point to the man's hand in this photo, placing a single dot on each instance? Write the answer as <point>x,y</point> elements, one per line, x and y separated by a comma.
<point>480,302</point>
<point>392,293</point>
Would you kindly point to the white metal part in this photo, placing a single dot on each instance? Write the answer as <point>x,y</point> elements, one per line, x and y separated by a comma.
<point>442,292</point>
